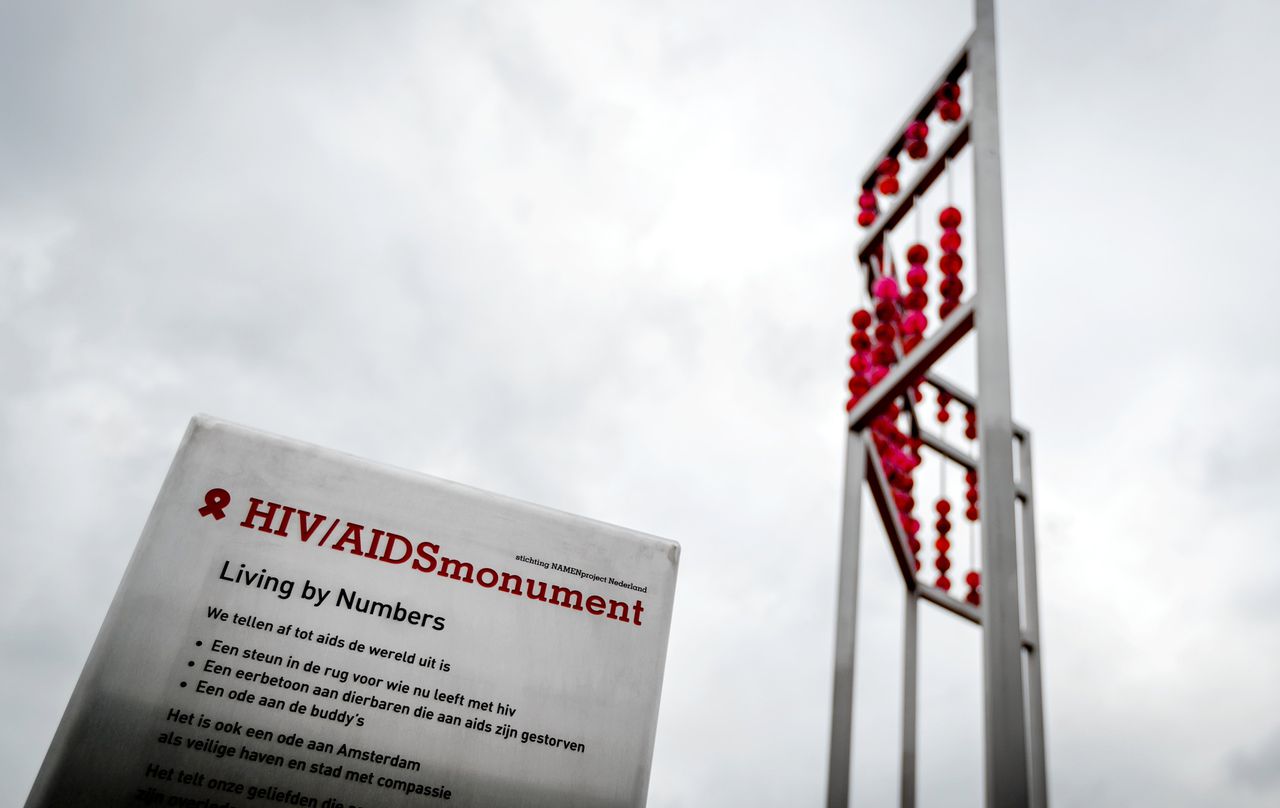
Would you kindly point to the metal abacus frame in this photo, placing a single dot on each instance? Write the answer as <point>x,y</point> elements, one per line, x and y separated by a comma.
<point>1008,615</point>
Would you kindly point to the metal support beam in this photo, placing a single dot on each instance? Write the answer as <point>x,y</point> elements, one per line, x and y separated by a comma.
<point>882,495</point>
<point>960,457</point>
<point>1007,780</point>
<point>910,666</point>
<point>956,66</point>
<point>933,169</point>
<point>912,366</point>
<point>1031,593</point>
<point>841,748</point>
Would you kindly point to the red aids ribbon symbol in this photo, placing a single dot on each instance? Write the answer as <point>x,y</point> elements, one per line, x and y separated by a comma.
<point>215,502</point>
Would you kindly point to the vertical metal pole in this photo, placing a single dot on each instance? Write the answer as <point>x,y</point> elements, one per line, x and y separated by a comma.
<point>846,623</point>
<point>1005,719</point>
<point>910,665</point>
<point>1035,698</point>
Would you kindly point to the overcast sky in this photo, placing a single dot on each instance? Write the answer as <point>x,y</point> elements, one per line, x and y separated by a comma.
<point>597,256</point>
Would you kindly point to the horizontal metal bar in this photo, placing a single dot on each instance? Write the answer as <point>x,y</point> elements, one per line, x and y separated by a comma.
<point>955,68</point>
<point>882,495</point>
<point>960,457</point>
<point>969,400</point>
<point>937,164</point>
<point>958,607</point>
<point>912,366</point>
<point>937,596</point>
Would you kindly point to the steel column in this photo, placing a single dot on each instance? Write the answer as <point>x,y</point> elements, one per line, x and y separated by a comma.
<point>841,748</point>
<point>1005,715</point>
<point>1035,698</point>
<point>910,666</point>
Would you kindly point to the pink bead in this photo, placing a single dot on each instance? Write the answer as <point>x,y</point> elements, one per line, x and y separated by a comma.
<point>867,201</point>
<point>877,373</point>
<point>886,289</point>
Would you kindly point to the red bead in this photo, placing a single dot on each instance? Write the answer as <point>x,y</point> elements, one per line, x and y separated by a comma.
<point>858,385</point>
<point>917,149</point>
<point>943,525</point>
<point>917,565</point>
<point>888,167</point>
<point>971,477</point>
<point>943,564</point>
<point>914,544</point>
<point>971,432</point>
<point>912,526</point>
<point>867,201</point>
<point>942,506</point>
<point>886,312</point>
<point>884,355</point>
<point>916,299</point>
<point>949,91</point>
<point>917,130</point>
<point>888,186</point>
<point>885,289</point>
<point>949,218</point>
<point>849,405</point>
<point>917,254</point>
<point>949,111</point>
<point>917,277</point>
<point>943,416</point>
<point>858,362</point>
<point>970,416</point>
<point>866,218</point>
<point>950,264</point>
<point>944,583</point>
<point>951,287</point>
<point>943,544</point>
<point>877,373</point>
<point>950,241</point>
<point>947,307</point>
<point>971,495</point>
<point>973,579</point>
<point>885,333</point>
<point>973,599</point>
<point>861,318</point>
<point>860,341</point>
<point>971,513</point>
<point>914,323</point>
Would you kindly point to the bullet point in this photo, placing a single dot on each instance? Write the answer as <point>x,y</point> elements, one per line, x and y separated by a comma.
<point>182,684</point>
<point>198,643</point>
<point>191,664</point>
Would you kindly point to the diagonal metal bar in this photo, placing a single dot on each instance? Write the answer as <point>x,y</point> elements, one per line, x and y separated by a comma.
<point>882,495</point>
<point>955,68</point>
<point>957,607</point>
<point>937,164</point>
<point>912,366</point>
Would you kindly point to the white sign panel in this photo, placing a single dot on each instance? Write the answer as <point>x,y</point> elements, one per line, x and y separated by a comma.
<point>301,627</point>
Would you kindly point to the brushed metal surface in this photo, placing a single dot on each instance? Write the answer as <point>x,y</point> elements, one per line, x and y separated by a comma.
<point>568,673</point>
